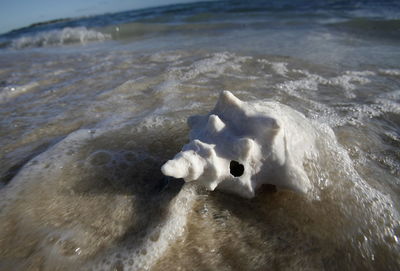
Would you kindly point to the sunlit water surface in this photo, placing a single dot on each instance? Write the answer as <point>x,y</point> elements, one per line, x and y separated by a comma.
<point>91,108</point>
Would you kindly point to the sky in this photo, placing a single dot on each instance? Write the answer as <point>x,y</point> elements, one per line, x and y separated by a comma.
<point>19,13</point>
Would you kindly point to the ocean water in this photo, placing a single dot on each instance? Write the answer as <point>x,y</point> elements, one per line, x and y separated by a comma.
<point>92,107</point>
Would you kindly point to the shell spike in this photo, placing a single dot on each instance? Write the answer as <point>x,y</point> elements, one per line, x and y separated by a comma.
<point>175,168</point>
<point>215,124</point>
<point>186,164</point>
<point>228,100</point>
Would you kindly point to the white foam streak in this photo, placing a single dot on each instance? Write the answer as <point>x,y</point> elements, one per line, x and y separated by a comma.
<point>10,92</point>
<point>67,35</point>
<point>157,239</point>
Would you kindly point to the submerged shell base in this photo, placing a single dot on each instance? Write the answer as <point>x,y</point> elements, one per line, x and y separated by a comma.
<point>240,145</point>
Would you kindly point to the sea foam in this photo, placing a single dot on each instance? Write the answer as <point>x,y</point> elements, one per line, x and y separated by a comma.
<point>68,35</point>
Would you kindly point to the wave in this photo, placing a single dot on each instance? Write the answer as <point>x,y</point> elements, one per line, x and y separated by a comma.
<point>83,35</point>
<point>211,18</point>
<point>68,35</point>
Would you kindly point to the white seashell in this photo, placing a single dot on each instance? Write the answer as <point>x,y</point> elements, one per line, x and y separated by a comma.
<point>240,145</point>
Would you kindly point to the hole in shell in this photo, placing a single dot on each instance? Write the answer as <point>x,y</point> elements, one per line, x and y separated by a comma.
<point>236,169</point>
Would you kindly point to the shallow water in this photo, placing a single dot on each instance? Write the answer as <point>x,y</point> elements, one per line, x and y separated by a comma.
<point>91,108</point>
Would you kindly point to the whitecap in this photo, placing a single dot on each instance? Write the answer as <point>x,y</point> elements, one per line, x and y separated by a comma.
<point>64,36</point>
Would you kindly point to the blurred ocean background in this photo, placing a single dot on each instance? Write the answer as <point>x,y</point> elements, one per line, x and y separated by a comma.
<point>91,107</point>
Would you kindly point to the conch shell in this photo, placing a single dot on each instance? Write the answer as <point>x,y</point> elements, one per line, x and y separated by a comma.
<point>240,145</point>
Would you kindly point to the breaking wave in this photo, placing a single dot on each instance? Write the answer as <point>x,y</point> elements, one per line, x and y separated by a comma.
<point>68,35</point>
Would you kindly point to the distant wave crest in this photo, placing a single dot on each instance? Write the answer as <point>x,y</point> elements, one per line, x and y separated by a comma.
<point>64,36</point>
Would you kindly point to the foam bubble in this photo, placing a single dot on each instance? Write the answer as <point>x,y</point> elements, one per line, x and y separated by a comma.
<point>100,158</point>
<point>278,67</point>
<point>311,82</point>
<point>211,66</point>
